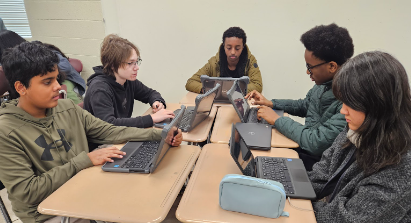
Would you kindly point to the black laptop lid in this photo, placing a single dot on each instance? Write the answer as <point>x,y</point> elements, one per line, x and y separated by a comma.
<point>241,154</point>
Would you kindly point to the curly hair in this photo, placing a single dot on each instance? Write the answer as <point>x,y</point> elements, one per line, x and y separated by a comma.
<point>27,60</point>
<point>329,43</point>
<point>376,84</point>
<point>235,32</point>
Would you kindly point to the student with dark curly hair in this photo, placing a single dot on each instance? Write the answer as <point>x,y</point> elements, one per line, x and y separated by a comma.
<point>327,48</point>
<point>233,59</point>
<point>365,175</point>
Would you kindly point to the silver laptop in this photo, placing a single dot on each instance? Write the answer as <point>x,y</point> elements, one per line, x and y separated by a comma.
<point>256,136</point>
<point>194,115</point>
<point>226,83</point>
<point>144,157</point>
<point>241,106</point>
<point>288,171</point>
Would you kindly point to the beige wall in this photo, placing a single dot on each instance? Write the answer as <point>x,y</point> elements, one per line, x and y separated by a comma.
<point>76,27</point>
<point>177,38</point>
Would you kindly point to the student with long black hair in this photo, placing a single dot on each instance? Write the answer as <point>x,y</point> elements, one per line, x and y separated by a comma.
<point>365,175</point>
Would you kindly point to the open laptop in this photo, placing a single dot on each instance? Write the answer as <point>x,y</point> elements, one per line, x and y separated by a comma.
<point>288,171</point>
<point>256,136</point>
<point>226,83</point>
<point>241,106</point>
<point>144,157</point>
<point>194,115</point>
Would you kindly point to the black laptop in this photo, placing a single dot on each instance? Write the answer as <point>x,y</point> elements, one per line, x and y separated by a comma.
<point>241,106</point>
<point>288,171</point>
<point>226,83</point>
<point>194,115</point>
<point>256,136</point>
<point>144,157</point>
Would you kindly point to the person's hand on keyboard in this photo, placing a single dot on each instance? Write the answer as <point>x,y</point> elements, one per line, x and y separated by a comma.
<point>157,106</point>
<point>100,156</point>
<point>268,114</point>
<point>259,99</point>
<point>162,115</point>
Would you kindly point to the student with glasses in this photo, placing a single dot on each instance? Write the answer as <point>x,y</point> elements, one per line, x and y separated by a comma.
<point>327,48</point>
<point>113,87</point>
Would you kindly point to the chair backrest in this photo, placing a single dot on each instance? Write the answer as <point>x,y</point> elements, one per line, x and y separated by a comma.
<point>63,92</point>
<point>76,63</point>
<point>4,84</point>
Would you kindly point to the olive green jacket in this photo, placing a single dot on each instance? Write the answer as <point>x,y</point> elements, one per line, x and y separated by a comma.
<point>212,69</point>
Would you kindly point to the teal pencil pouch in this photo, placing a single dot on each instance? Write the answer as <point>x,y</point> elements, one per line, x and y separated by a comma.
<point>253,196</point>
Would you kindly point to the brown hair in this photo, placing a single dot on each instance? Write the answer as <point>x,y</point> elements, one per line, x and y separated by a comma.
<point>114,51</point>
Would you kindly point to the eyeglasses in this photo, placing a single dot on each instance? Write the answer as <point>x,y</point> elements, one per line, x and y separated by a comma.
<point>309,68</point>
<point>134,63</point>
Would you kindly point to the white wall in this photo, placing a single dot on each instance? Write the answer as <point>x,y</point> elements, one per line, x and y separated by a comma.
<point>176,38</point>
<point>76,27</point>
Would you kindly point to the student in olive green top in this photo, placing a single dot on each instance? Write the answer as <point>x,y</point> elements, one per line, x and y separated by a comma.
<point>43,140</point>
<point>233,59</point>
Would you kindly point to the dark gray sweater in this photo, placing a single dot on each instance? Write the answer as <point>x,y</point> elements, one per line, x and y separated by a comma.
<point>382,197</point>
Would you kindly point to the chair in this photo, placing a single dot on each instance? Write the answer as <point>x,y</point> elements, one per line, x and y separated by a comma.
<point>4,84</point>
<point>3,209</point>
<point>76,63</point>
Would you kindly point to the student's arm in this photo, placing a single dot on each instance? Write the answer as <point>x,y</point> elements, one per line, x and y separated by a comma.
<point>373,200</point>
<point>293,107</point>
<point>146,94</point>
<point>70,92</point>
<point>194,83</point>
<point>313,139</point>
<point>256,82</point>
<point>101,132</point>
<point>321,172</point>
<point>16,172</point>
<point>103,108</point>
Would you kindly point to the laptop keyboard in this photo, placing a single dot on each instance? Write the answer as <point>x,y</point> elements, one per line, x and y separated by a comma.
<point>275,169</point>
<point>252,117</point>
<point>142,156</point>
<point>185,121</point>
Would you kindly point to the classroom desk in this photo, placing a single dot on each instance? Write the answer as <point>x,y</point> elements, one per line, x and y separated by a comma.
<point>123,197</point>
<point>226,116</point>
<point>201,131</point>
<point>200,201</point>
<point>190,98</point>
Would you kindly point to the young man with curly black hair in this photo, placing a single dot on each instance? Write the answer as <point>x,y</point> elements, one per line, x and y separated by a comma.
<point>327,48</point>
<point>233,59</point>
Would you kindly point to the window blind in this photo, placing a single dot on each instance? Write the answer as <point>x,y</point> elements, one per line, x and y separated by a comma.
<point>14,17</point>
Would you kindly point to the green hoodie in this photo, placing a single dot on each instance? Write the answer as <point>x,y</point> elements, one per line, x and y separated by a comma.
<point>31,167</point>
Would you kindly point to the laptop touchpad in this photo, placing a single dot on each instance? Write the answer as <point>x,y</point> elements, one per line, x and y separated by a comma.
<point>299,175</point>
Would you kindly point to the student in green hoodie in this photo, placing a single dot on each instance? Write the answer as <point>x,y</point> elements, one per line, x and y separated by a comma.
<point>43,140</point>
<point>327,48</point>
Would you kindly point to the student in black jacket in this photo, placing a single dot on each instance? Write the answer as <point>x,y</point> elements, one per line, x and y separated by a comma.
<point>113,87</point>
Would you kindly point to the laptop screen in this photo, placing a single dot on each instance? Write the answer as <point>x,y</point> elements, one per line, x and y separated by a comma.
<point>239,102</point>
<point>241,154</point>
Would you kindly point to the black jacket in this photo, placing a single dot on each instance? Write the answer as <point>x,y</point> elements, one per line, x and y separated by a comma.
<point>110,101</point>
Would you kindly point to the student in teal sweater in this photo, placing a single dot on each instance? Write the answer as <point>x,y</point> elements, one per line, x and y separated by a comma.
<point>327,48</point>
